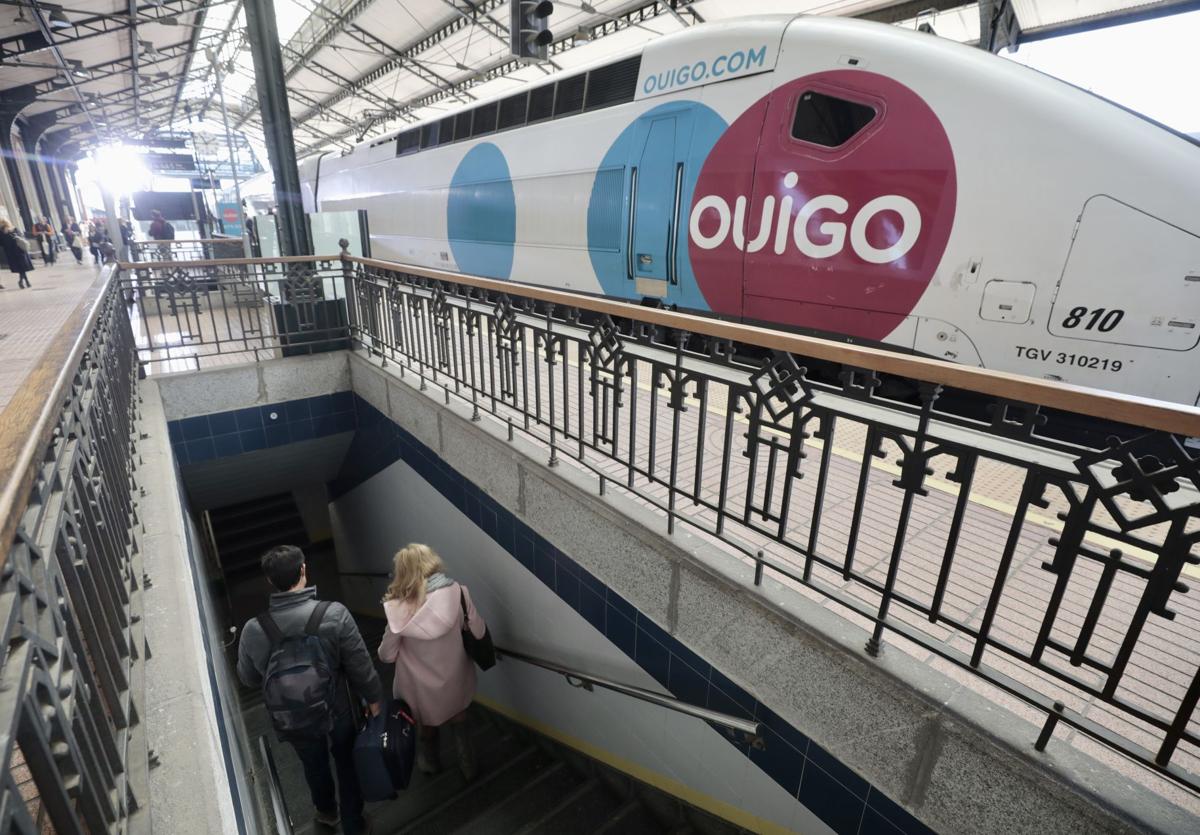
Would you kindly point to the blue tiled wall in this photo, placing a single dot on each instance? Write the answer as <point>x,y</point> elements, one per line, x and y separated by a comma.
<point>845,801</point>
<point>203,438</point>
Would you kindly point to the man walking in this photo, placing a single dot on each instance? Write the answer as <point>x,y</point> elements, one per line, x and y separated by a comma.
<point>302,653</point>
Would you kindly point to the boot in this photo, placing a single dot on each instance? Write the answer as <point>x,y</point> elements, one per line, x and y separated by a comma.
<point>428,761</point>
<point>468,764</point>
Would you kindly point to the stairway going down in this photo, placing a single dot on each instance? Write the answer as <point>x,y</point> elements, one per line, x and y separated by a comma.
<point>526,784</point>
<point>242,532</point>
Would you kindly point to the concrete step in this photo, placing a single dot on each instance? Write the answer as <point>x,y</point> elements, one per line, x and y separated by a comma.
<point>631,818</point>
<point>231,513</point>
<point>582,810</point>
<point>428,792</point>
<point>487,790</point>
<point>530,802</point>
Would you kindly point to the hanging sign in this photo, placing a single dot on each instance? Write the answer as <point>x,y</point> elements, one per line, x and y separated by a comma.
<point>231,218</point>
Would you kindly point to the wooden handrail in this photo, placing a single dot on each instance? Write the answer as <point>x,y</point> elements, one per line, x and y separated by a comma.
<point>180,241</point>
<point>1123,408</point>
<point>29,419</point>
<point>226,262</point>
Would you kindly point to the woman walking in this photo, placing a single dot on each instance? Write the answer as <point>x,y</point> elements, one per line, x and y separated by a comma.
<point>44,232</point>
<point>16,252</point>
<point>74,236</point>
<point>425,611</point>
<point>93,245</point>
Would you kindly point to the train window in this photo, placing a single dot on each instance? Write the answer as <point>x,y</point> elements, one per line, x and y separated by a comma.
<point>570,95</point>
<point>512,111</point>
<point>408,142</point>
<point>541,102</point>
<point>429,134</point>
<point>829,121</point>
<point>485,119</point>
<point>462,125</point>
<point>446,130</point>
<point>613,84</point>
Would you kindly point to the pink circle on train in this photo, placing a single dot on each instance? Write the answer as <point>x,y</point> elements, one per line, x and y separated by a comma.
<point>899,168</point>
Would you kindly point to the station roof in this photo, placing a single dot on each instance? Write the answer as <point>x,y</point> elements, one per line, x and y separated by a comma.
<point>92,71</point>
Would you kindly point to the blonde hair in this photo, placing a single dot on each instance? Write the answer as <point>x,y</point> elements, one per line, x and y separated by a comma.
<point>411,567</point>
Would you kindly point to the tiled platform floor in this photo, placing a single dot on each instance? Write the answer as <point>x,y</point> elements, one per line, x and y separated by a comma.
<point>30,318</point>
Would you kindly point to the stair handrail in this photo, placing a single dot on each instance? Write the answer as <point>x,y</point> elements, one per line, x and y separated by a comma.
<point>283,821</point>
<point>586,681</point>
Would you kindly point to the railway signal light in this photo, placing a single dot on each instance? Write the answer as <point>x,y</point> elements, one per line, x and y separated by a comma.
<point>529,35</point>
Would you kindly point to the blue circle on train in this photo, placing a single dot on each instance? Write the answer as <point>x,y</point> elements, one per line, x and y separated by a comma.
<point>481,213</point>
<point>655,143</point>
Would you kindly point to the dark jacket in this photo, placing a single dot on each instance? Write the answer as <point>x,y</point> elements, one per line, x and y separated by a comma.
<point>339,633</point>
<point>15,256</point>
<point>161,230</point>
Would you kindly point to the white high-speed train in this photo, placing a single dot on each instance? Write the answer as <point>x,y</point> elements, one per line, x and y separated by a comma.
<point>828,175</point>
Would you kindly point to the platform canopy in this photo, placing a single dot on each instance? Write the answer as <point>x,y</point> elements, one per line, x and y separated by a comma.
<point>93,71</point>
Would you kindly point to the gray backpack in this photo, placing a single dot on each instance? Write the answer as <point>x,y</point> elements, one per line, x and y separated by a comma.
<point>299,682</point>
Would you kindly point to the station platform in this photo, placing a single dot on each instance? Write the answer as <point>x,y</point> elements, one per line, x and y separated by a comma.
<point>32,320</point>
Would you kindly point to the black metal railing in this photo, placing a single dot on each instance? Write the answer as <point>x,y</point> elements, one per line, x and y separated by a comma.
<point>72,676</point>
<point>190,313</point>
<point>186,249</point>
<point>965,517</point>
<point>1039,537</point>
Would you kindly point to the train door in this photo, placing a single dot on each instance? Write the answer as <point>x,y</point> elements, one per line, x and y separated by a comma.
<point>853,202</point>
<point>656,214</point>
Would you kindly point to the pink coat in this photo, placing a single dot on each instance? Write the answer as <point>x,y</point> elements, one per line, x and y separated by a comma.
<point>433,673</point>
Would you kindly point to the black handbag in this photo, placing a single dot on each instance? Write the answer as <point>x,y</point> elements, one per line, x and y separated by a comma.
<point>479,650</point>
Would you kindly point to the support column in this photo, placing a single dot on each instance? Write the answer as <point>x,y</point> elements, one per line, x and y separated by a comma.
<point>42,209</point>
<point>111,224</point>
<point>60,218</point>
<point>13,168</point>
<point>8,196</point>
<point>277,125</point>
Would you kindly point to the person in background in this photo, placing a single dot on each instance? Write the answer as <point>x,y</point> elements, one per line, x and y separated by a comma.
<point>92,231</point>
<point>293,610</point>
<point>161,230</point>
<point>126,231</point>
<point>424,610</point>
<point>100,243</point>
<point>74,235</point>
<point>16,252</point>
<point>44,232</point>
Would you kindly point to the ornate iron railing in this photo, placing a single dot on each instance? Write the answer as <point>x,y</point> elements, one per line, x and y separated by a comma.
<point>190,313</point>
<point>1040,537</point>
<point>72,676</point>
<point>186,249</point>
<point>1022,536</point>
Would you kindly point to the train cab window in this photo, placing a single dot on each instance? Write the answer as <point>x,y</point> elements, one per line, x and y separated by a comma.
<point>829,121</point>
<point>570,95</point>
<point>462,125</point>
<point>429,134</point>
<point>512,111</point>
<point>408,142</point>
<point>485,119</point>
<point>541,102</point>
<point>446,130</point>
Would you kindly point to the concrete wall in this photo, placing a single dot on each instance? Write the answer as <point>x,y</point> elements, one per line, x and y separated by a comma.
<point>958,762</point>
<point>200,784</point>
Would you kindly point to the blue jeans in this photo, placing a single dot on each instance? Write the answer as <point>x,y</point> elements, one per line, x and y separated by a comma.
<point>314,755</point>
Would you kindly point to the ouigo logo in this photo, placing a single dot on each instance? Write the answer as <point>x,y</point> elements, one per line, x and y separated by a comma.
<point>836,239</point>
<point>733,224</point>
